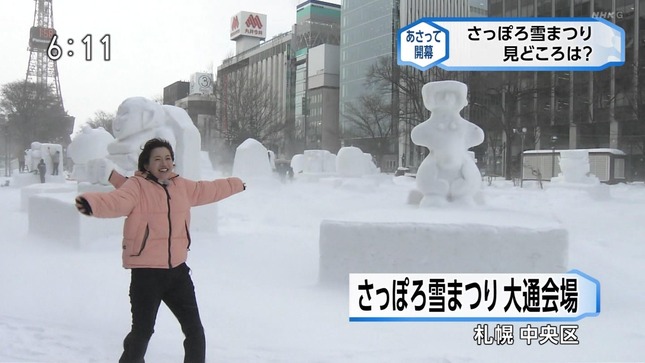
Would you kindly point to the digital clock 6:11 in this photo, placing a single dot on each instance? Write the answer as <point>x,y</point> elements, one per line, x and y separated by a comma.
<point>55,51</point>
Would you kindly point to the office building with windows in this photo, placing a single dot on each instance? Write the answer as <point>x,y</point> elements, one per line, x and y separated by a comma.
<point>317,35</point>
<point>582,110</point>
<point>299,69</point>
<point>368,39</point>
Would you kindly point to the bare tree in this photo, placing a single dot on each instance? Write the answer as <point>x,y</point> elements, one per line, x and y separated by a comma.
<point>503,103</point>
<point>102,119</point>
<point>371,115</point>
<point>34,114</point>
<point>405,85</point>
<point>408,82</point>
<point>247,108</point>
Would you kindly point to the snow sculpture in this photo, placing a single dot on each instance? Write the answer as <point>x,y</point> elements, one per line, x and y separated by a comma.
<point>43,151</point>
<point>353,162</point>
<point>88,145</point>
<point>319,162</point>
<point>575,168</point>
<point>449,172</point>
<point>298,163</point>
<point>139,119</point>
<point>189,143</point>
<point>252,160</point>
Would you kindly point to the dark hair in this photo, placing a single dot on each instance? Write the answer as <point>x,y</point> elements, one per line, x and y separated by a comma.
<point>144,157</point>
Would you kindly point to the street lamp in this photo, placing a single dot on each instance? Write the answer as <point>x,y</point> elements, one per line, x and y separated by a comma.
<point>554,139</point>
<point>522,134</point>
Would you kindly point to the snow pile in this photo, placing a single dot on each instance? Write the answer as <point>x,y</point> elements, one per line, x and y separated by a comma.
<point>252,161</point>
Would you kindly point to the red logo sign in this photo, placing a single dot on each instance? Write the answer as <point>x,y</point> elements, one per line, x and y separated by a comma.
<point>235,23</point>
<point>253,21</point>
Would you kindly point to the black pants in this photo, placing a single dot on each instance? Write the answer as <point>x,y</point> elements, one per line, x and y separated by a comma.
<point>148,288</point>
<point>55,169</point>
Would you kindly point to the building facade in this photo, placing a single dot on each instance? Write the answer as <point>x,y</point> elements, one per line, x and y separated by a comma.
<point>200,107</point>
<point>569,110</point>
<point>368,39</point>
<point>298,70</point>
<point>317,35</point>
<point>254,91</point>
<point>368,29</point>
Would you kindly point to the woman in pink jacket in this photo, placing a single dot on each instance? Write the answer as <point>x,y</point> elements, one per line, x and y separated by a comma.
<point>156,241</point>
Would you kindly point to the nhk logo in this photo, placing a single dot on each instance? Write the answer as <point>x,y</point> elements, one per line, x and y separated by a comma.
<point>235,23</point>
<point>253,21</point>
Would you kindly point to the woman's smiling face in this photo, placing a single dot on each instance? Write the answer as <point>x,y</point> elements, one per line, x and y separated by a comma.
<point>160,164</point>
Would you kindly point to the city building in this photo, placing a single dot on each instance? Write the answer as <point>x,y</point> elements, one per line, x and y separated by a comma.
<point>175,91</point>
<point>368,29</point>
<point>368,39</point>
<point>317,38</point>
<point>255,88</point>
<point>582,110</point>
<point>298,70</point>
<point>196,97</point>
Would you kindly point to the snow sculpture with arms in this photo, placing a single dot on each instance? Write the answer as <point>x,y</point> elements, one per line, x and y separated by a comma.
<point>449,172</point>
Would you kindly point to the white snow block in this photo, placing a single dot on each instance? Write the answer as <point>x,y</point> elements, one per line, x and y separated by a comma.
<point>440,241</point>
<point>19,180</point>
<point>29,191</point>
<point>55,217</point>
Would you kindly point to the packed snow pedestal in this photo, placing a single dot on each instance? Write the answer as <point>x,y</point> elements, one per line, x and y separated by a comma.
<point>451,240</point>
<point>55,217</point>
<point>26,193</point>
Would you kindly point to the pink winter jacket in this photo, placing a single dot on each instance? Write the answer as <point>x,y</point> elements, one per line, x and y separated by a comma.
<point>156,230</point>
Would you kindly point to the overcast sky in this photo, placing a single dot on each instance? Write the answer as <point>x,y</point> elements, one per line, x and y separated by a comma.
<point>154,43</point>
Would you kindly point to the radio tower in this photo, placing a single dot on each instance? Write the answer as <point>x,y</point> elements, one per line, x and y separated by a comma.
<point>41,70</point>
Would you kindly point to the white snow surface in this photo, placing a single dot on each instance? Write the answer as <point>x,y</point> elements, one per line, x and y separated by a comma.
<point>257,283</point>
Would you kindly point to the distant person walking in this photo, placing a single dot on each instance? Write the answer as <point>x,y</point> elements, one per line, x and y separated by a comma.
<point>55,162</point>
<point>42,170</point>
<point>21,162</point>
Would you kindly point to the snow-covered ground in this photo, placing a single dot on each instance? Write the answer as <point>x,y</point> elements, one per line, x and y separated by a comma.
<point>257,288</point>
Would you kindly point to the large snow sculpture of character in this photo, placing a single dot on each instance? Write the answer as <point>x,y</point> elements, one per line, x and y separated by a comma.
<point>138,120</point>
<point>449,172</point>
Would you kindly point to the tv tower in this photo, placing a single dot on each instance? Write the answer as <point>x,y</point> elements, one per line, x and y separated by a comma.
<point>41,70</point>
